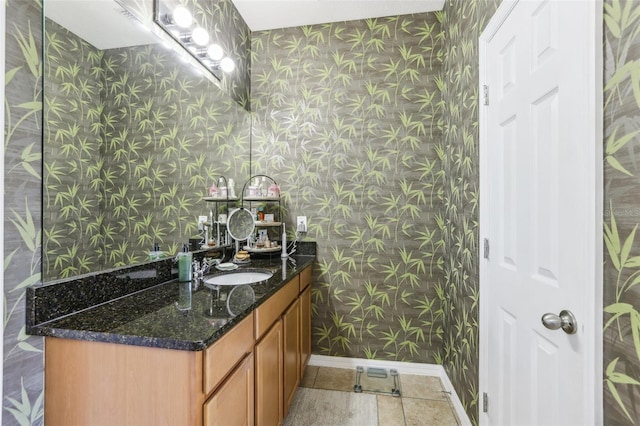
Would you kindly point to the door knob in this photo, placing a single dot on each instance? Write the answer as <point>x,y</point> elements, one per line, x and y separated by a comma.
<point>566,320</point>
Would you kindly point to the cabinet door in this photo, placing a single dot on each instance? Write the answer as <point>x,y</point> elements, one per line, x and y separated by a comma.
<point>269,392</point>
<point>291,323</point>
<point>233,403</point>
<point>305,329</point>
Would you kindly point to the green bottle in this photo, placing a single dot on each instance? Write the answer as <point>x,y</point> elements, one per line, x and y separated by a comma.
<point>184,264</point>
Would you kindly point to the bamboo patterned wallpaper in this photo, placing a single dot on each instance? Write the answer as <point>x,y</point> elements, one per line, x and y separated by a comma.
<point>334,155</point>
<point>134,138</point>
<point>225,26</point>
<point>349,116</point>
<point>463,21</point>
<point>73,188</point>
<point>622,212</point>
<point>23,391</point>
<point>371,124</point>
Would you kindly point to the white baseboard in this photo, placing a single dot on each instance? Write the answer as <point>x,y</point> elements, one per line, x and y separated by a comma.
<point>412,368</point>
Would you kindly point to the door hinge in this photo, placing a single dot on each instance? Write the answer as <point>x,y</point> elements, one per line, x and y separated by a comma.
<point>485,94</point>
<point>485,402</point>
<point>486,248</point>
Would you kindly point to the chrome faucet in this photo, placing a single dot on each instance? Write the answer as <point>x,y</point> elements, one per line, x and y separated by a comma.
<point>200,269</point>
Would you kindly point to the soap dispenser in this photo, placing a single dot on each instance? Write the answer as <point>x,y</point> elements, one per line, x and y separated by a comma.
<point>184,264</point>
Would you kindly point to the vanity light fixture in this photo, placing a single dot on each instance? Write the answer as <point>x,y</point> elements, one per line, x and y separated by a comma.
<point>182,17</point>
<point>200,36</point>
<point>227,65</point>
<point>215,52</point>
<point>177,23</point>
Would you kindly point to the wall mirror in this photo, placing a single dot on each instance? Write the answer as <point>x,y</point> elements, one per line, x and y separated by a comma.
<point>133,136</point>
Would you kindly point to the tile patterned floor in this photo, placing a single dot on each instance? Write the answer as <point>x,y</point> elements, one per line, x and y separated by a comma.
<point>423,402</point>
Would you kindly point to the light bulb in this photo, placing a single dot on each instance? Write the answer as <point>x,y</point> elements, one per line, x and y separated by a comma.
<point>227,65</point>
<point>215,52</point>
<point>182,17</point>
<point>200,36</point>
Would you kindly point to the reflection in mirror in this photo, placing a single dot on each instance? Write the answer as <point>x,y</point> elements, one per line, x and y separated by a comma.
<point>133,138</point>
<point>178,22</point>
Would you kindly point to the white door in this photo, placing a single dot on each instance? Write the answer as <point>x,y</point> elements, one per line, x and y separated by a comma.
<point>540,213</point>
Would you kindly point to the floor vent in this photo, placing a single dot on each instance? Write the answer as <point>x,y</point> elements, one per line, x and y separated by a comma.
<point>377,380</point>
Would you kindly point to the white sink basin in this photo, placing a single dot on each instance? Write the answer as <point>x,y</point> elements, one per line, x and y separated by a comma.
<point>238,278</point>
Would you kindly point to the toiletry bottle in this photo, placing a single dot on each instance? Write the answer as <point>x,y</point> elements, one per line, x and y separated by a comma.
<point>184,264</point>
<point>264,188</point>
<point>213,190</point>
<point>231,188</point>
<point>274,191</point>
<point>254,188</point>
<point>184,296</point>
<point>156,253</point>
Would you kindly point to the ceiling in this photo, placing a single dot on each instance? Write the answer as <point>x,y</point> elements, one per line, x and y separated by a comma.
<point>272,14</point>
<point>89,18</point>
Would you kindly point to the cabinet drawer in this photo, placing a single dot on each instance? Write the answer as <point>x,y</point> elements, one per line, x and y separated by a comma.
<point>305,278</point>
<point>270,311</point>
<point>223,355</point>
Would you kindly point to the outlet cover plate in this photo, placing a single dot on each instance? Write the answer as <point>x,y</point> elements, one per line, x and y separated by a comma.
<point>301,223</point>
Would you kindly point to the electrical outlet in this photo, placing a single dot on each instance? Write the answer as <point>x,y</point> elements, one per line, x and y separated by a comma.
<point>302,223</point>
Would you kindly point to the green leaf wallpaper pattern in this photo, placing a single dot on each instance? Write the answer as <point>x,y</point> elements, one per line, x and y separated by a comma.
<point>344,295</point>
<point>73,186</point>
<point>225,26</point>
<point>134,139</point>
<point>463,21</point>
<point>348,118</point>
<point>23,387</point>
<point>622,212</point>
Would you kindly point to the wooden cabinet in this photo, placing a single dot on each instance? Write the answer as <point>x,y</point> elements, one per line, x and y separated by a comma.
<point>233,403</point>
<point>272,309</point>
<point>94,383</point>
<point>103,383</point>
<point>305,329</point>
<point>223,355</point>
<point>249,376</point>
<point>269,390</point>
<point>306,277</point>
<point>291,352</point>
<point>291,308</point>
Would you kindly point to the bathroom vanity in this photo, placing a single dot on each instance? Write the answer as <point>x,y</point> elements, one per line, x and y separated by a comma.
<point>140,360</point>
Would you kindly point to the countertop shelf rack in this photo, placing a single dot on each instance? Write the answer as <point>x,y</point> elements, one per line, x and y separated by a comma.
<point>264,196</point>
<point>218,228</point>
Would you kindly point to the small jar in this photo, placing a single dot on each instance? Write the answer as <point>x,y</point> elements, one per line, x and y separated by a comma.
<point>273,191</point>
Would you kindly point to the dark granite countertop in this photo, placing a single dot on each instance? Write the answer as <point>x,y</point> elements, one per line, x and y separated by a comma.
<point>154,316</point>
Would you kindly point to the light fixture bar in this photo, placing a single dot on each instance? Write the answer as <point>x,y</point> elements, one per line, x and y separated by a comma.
<point>180,25</point>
